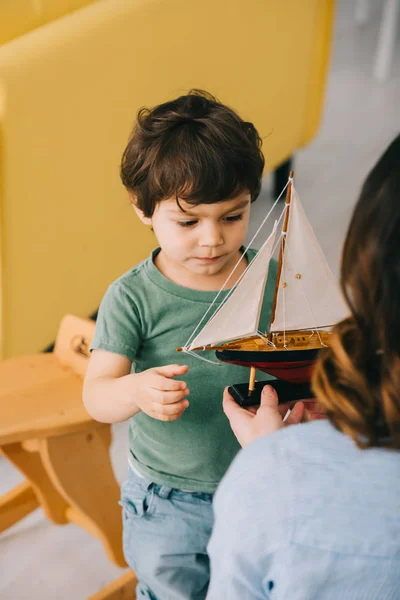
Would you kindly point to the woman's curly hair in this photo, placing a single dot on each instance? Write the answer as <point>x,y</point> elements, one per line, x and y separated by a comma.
<point>358,377</point>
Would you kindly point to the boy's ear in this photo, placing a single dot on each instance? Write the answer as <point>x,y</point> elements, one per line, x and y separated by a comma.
<point>139,212</point>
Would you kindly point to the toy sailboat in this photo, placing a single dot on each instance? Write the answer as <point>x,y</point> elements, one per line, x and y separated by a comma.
<point>307,303</point>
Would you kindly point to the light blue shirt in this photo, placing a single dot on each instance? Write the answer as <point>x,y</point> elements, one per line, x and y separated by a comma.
<point>304,514</point>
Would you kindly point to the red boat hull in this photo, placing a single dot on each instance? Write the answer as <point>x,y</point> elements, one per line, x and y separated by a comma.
<point>294,366</point>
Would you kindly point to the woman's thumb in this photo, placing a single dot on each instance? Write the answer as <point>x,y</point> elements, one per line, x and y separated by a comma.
<point>269,397</point>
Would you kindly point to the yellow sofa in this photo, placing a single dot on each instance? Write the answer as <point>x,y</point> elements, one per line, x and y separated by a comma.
<point>20,16</point>
<point>71,81</point>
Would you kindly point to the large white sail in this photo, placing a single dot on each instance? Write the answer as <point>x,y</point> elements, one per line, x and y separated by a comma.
<point>240,314</point>
<point>308,294</point>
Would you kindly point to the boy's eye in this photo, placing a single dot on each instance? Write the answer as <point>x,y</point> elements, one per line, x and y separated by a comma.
<point>230,219</point>
<point>234,218</point>
<point>186,223</point>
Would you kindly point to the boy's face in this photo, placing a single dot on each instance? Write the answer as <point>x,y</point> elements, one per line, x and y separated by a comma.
<point>200,247</point>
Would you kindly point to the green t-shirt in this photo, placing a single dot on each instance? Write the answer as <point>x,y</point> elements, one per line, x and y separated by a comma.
<point>145,317</point>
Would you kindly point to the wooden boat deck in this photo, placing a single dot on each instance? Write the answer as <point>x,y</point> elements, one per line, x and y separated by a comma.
<point>290,340</point>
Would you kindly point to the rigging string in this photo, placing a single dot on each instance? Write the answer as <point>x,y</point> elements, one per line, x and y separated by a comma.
<point>233,310</point>
<point>284,236</point>
<point>212,362</point>
<point>237,283</point>
<point>284,291</point>
<point>284,240</point>
<point>265,339</point>
<point>185,347</point>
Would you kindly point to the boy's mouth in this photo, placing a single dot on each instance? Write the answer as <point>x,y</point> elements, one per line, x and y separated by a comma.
<point>209,260</point>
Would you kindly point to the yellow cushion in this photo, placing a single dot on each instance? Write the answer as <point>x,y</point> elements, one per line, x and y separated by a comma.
<point>54,9</point>
<point>18,17</point>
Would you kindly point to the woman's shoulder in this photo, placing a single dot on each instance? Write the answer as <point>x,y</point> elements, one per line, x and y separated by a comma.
<point>279,458</point>
<point>292,443</point>
<point>322,487</point>
<point>263,482</point>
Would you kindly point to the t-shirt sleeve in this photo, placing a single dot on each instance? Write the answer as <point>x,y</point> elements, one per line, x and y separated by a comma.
<point>118,327</point>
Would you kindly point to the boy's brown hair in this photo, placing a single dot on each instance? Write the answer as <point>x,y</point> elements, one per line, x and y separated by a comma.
<point>193,148</point>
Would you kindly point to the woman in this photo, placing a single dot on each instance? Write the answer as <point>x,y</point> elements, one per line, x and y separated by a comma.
<point>313,512</point>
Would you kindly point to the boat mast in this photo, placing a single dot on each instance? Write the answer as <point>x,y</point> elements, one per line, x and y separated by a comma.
<point>282,247</point>
<point>278,274</point>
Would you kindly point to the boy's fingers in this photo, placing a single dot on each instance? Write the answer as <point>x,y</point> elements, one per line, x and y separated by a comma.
<point>163,383</point>
<point>171,370</point>
<point>171,397</point>
<point>171,410</point>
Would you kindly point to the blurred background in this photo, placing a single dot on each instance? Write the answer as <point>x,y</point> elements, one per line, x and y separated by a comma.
<point>320,80</point>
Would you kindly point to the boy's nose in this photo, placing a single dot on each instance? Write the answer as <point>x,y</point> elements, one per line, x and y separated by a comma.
<point>211,236</point>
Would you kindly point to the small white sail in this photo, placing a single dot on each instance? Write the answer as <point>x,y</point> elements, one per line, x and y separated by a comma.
<point>240,314</point>
<point>308,294</point>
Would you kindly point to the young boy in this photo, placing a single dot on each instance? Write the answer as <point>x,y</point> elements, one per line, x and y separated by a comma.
<point>192,167</point>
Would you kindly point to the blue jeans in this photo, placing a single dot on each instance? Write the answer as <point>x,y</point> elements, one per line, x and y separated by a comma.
<point>165,536</point>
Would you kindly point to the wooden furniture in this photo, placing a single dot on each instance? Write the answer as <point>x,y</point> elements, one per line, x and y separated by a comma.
<point>46,433</point>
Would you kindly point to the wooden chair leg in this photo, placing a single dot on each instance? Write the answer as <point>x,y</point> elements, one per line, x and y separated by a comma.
<point>17,504</point>
<point>80,468</point>
<point>30,465</point>
<point>123,588</point>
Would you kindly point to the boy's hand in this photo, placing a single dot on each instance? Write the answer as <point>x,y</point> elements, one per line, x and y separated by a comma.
<point>249,425</point>
<point>157,394</point>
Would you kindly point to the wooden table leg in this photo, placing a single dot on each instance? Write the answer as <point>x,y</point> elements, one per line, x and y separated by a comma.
<point>30,465</point>
<point>17,504</point>
<point>80,468</point>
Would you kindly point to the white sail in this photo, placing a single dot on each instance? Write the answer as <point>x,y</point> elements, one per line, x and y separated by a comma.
<point>240,314</point>
<point>308,294</point>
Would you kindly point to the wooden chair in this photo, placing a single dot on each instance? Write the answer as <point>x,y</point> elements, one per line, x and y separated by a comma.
<point>47,434</point>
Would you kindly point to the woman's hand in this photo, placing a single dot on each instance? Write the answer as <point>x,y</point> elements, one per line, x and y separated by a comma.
<point>248,425</point>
